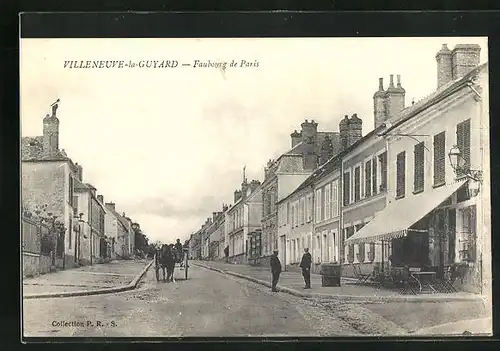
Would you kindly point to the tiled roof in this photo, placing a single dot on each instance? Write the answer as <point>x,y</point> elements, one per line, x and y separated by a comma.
<point>119,217</point>
<point>78,185</point>
<point>434,97</point>
<point>32,150</point>
<point>291,164</point>
<point>334,137</point>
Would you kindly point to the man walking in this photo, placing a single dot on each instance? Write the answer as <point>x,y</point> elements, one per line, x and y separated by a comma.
<point>305,264</point>
<point>275,269</point>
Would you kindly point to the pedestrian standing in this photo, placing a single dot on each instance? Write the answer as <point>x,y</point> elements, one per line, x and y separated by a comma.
<point>275,269</point>
<point>305,264</point>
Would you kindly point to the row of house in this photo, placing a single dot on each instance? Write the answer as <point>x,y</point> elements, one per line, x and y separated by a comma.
<point>93,229</point>
<point>414,190</point>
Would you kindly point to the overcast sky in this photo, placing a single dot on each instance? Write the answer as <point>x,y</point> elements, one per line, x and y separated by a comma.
<point>168,145</point>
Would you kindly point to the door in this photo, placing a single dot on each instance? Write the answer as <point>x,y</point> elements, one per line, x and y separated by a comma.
<point>282,249</point>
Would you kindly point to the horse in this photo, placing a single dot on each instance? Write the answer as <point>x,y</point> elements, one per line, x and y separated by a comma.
<point>166,261</point>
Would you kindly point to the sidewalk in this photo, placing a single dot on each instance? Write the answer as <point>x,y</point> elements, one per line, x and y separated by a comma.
<point>95,277</point>
<point>482,326</point>
<point>347,291</point>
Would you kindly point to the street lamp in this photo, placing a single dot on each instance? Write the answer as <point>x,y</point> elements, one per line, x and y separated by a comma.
<point>459,165</point>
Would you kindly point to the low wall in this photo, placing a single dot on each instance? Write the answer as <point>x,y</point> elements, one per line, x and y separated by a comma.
<point>35,264</point>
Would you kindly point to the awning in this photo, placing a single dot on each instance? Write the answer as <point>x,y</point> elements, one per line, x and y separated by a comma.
<point>395,220</point>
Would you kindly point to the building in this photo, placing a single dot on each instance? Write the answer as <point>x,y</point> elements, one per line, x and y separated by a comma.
<point>283,175</point>
<point>88,211</point>
<point>364,190</point>
<point>119,231</point>
<point>438,203</point>
<point>48,179</point>
<point>216,235</point>
<point>243,219</point>
<point>101,246</point>
<point>195,246</point>
<point>310,216</point>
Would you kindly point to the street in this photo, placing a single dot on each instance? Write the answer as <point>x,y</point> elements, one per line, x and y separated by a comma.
<point>207,304</point>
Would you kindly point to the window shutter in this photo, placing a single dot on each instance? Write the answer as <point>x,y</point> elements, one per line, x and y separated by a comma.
<point>463,142</point>
<point>347,186</point>
<point>357,184</point>
<point>418,174</point>
<point>400,175</point>
<point>374,176</point>
<point>383,171</point>
<point>439,159</point>
<point>368,178</point>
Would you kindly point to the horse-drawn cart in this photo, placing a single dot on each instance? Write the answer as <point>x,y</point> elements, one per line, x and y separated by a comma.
<point>166,258</point>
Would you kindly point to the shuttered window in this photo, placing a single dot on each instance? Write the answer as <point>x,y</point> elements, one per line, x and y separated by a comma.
<point>368,178</point>
<point>383,171</point>
<point>400,174</point>
<point>418,174</point>
<point>374,176</point>
<point>439,159</point>
<point>318,201</point>
<point>335,198</point>
<point>347,187</point>
<point>357,183</point>
<point>463,143</point>
<point>328,200</point>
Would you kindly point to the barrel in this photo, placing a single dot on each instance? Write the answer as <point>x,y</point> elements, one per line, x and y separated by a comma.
<point>330,274</point>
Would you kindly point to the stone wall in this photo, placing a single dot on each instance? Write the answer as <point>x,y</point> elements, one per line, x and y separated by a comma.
<point>34,264</point>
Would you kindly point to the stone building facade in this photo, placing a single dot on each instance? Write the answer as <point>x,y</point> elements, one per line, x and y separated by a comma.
<point>48,178</point>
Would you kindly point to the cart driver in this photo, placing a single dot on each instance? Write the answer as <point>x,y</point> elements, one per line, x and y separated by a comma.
<point>179,250</point>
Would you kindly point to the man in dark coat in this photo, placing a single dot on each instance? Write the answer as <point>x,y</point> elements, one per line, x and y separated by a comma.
<point>305,264</point>
<point>275,269</point>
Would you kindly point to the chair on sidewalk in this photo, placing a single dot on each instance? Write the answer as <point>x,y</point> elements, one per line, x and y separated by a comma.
<point>362,278</point>
<point>407,281</point>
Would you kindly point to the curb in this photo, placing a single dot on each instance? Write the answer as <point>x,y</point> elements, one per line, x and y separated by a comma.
<point>463,324</point>
<point>350,298</point>
<point>131,286</point>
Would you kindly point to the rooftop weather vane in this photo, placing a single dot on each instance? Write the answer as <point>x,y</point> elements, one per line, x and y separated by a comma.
<point>54,106</point>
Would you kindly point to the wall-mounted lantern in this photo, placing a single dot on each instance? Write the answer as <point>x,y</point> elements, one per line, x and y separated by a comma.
<point>459,165</point>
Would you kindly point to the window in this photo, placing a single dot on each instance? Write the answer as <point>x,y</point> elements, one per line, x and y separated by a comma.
<point>463,142</point>
<point>368,178</point>
<point>439,159</point>
<point>74,204</point>
<point>347,187</point>
<point>357,183</point>
<point>318,205</point>
<point>335,198</point>
<point>296,213</point>
<point>287,211</point>
<point>306,208</point>
<point>303,206</point>
<point>309,207</point>
<point>374,175</point>
<point>383,171</point>
<point>71,188</point>
<point>467,241</point>
<point>400,174</point>
<point>292,219</point>
<point>418,176</point>
<point>328,200</point>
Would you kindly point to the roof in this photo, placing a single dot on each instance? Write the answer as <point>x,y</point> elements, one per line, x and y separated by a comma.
<point>119,217</point>
<point>290,163</point>
<point>78,185</point>
<point>435,97</point>
<point>331,164</point>
<point>32,150</point>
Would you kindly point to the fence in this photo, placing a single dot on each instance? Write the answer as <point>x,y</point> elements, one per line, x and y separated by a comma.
<point>35,258</point>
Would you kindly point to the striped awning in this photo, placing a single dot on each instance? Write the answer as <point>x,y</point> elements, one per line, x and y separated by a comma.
<point>396,219</point>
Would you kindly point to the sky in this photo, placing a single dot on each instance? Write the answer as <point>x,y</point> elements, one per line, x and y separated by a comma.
<point>168,145</point>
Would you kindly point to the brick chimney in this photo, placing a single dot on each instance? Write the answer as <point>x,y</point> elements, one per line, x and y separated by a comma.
<point>100,198</point>
<point>296,138</point>
<point>326,150</point>
<point>215,215</point>
<point>309,139</point>
<point>79,172</point>
<point>464,58</point>
<point>110,205</point>
<point>237,195</point>
<point>244,188</point>
<point>395,97</point>
<point>355,129</point>
<point>344,133</point>
<point>254,184</point>
<point>444,66</point>
<point>379,104</point>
